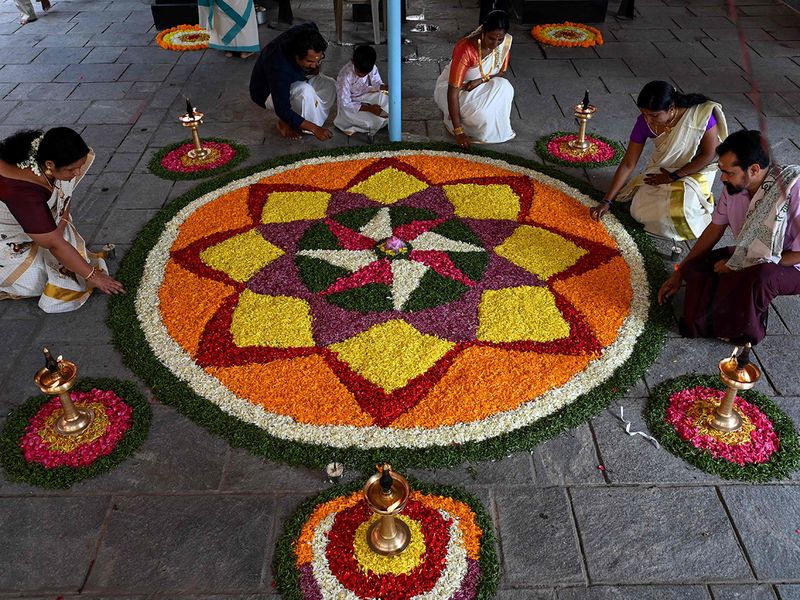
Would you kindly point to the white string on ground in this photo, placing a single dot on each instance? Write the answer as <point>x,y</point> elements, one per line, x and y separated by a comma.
<point>632,433</point>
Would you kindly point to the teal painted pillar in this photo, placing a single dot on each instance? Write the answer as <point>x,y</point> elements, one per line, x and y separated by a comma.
<point>394,30</point>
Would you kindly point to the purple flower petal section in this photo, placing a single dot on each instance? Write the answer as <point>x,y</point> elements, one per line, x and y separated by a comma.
<point>279,278</point>
<point>431,198</point>
<point>285,235</point>
<point>502,273</point>
<point>469,585</point>
<point>308,584</point>
<point>492,232</point>
<point>332,324</point>
<point>342,201</point>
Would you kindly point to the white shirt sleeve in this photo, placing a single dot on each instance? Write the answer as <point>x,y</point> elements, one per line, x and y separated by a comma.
<point>375,81</point>
<point>344,86</point>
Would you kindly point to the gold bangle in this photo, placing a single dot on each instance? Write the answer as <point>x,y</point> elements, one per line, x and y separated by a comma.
<point>458,130</point>
<point>91,274</point>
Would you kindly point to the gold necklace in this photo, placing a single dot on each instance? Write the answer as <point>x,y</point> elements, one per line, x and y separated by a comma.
<point>495,54</point>
<point>671,123</point>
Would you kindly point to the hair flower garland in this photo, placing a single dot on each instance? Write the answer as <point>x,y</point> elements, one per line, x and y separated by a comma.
<point>30,162</point>
<point>765,448</point>
<point>567,35</point>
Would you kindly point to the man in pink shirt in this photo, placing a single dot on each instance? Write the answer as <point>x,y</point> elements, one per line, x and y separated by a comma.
<point>729,290</point>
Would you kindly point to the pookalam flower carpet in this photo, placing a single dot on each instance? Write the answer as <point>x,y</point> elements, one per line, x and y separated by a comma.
<point>764,448</point>
<point>413,305</point>
<point>32,451</point>
<point>323,551</point>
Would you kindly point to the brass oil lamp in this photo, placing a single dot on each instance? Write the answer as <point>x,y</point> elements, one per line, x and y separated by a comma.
<point>56,378</point>
<point>386,493</point>
<point>192,120</point>
<point>583,112</point>
<point>737,373</point>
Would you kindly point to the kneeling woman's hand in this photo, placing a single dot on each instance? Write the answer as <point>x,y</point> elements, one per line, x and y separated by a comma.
<point>598,211</point>
<point>462,139</point>
<point>106,284</point>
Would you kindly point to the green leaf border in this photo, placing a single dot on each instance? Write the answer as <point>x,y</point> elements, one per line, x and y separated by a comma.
<point>780,465</point>
<point>541,150</point>
<point>129,340</point>
<point>242,152</point>
<point>20,470</point>
<point>287,576</point>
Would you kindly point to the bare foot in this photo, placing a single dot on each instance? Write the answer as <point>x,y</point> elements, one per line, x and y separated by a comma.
<point>45,5</point>
<point>287,131</point>
<point>229,55</point>
<point>26,19</point>
<point>245,55</point>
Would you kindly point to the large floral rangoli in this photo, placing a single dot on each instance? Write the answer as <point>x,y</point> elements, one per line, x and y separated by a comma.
<point>396,301</point>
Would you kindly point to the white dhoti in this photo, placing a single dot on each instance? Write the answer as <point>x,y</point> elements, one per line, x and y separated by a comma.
<point>360,121</point>
<point>312,99</point>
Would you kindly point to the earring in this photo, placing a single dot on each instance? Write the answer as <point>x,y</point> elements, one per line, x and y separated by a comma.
<point>48,172</point>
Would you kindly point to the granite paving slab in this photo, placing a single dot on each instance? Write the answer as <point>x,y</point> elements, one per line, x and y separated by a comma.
<point>178,456</point>
<point>742,592</point>
<point>36,530</point>
<point>187,543</point>
<point>537,536</point>
<point>568,459</point>
<point>644,592</point>
<point>657,535</point>
<point>30,73</point>
<point>777,359</point>
<point>789,592</point>
<point>767,520</point>
<point>635,459</point>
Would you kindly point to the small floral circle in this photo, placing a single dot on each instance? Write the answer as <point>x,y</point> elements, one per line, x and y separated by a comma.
<point>764,448</point>
<point>175,162</point>
<point>41,443</point>
<point>183,37</point>
<point>180,161</point>
<point>690,411</point>
<point>600,152</point>
<point>567,35</point>
<point>324,553</point>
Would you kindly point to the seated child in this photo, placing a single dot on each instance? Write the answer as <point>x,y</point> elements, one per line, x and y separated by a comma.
<point>362,94</point>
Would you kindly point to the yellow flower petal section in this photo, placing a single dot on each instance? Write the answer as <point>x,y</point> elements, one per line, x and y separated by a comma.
<point>277,321</point>
<point>284,207</point>
<point>389,186</point>
<point>492,201</point>
<point>405,562</point>
<point>520,314</point>
<point>241,256</point>
<point>539,251</point>
<point>391,354</point>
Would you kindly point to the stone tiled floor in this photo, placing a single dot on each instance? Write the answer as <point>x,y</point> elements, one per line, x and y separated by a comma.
<point>189,517</point>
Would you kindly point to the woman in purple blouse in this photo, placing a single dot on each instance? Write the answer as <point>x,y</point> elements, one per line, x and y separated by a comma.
<point>672,197</point>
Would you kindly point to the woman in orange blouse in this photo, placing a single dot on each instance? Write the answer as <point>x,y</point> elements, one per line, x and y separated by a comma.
<point>471,91</point>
